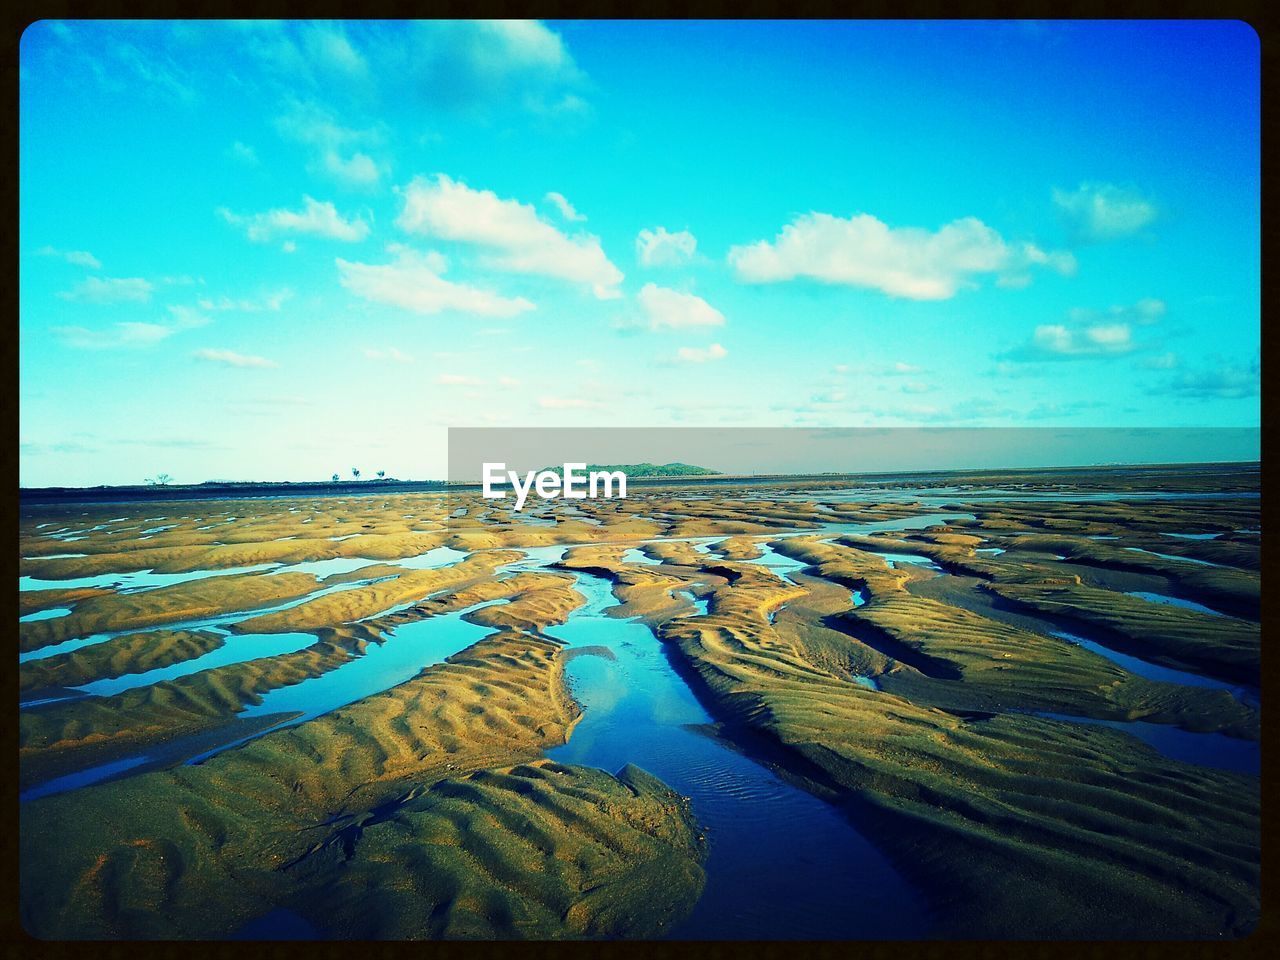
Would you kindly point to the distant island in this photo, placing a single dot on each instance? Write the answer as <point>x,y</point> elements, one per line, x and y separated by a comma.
<point>234,489</point>
<point>1153,476</point>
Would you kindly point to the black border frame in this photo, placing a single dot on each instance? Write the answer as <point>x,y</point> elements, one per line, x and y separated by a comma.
<point>18,943</point>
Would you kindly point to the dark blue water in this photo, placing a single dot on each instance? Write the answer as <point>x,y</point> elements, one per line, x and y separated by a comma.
<point>1174,557</point>
<point>52,613</point>
<point>1173,602</point>
<point>278,924</point>
<point>134,580</point>
<point>219,620</point>
<point>1152,671</point>
<point>236,648</point>
<point>1203,749</point>
<point>779,564</point>
<point>636,555</point>
<point>137,580</point>
<point>781,862</point>
<point>915,559</point>
<point>81,778</point>
<point>401,656</point>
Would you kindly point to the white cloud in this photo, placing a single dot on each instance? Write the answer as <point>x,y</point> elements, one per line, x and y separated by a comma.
<point>672,309</point>
<point>1029,255</point>
<point>564,207</point>
<point>1145,312</point>
<point>358,169</point>
<point>1103,211</point>
<point>1150,310</point>
<point>517,239</point>
<point>1228,382</point>
<point>1013,281</point>
<point>244,153</point>
<point>1161,361</point>
<point>1063,261</point>
<point>327,43</point>
<point>120,335</point>
<point>458,380</point>
<point>829,398</point>
<point>392,354</point>
<point>508,382</point>
<point>701,354</point>
<point>466,65</point>
<point>972,410</point>
<point>568,403</point>
<point>122,68</point>
<point>916,386</point>
<point>1110,336</point>
<point>230,358</point>
<point>658,248</point>
<point>900,369</point>
<point>474,64</point>
<point>1092,334</point>
<point>307,122</point>
<point>269,301</point>
<point>521,43</point>
<point>413,281</point>
<point>83,258</point>
<point>110,290</point>
<point>186,317</point>
<point>313,53</point>
<point>863,251</point>
<point>79,258</point>
<point>1056,340</point>
<point>1053,410</point>
<point>316,218</point>
<point>334,146</point>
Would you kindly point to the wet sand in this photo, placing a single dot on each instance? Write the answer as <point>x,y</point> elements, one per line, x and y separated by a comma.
<point>968,685</point>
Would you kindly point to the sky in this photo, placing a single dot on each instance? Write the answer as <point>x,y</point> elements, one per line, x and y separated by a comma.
<point>276,251</point>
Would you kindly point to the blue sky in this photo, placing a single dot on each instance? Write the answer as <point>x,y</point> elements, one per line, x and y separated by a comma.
<point>278,250</point>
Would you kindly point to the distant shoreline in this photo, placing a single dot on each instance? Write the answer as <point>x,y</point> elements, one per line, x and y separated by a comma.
<point>251,490</point>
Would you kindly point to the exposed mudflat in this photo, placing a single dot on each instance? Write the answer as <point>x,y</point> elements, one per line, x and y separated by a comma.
<point>1008,707</point>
